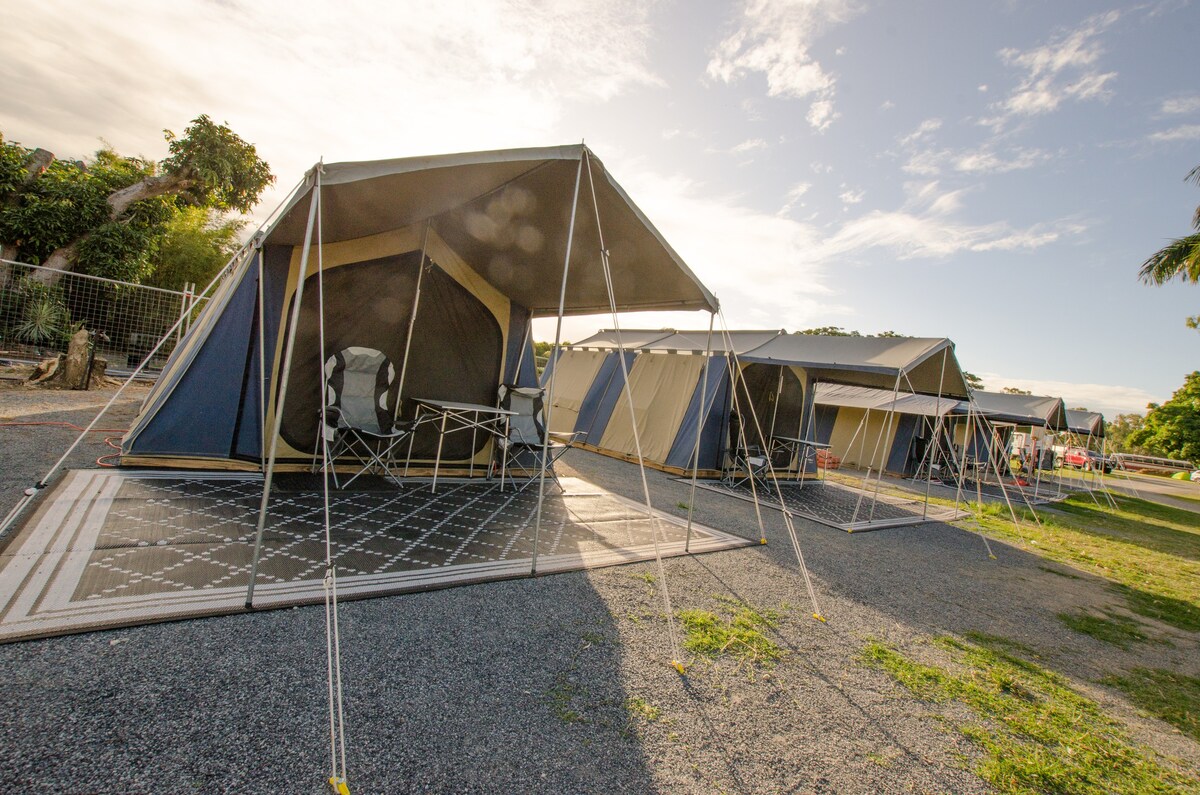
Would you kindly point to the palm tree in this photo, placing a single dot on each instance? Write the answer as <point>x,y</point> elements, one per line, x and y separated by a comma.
<point>1179,257</point>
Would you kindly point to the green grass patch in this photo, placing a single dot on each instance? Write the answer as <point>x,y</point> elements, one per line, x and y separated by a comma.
<point>1113,628</point>
<point>641,708</point>
<point>645,577</point>
<point>562,698</point>
<point>1169,696</point>
<point>1150,552</point>
<point>1037,734</point>
<point>741,636</point>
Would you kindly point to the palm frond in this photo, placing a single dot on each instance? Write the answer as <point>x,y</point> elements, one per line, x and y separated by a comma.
<point>1193,176</point>
<point>1179,258</point>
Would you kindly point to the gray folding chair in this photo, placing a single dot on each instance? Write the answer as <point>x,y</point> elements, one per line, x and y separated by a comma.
<point>746,461</point>
<point>530,449</point>
<point>359,422</point>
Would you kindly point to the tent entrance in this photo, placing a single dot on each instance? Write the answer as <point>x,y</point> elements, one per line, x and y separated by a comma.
<point>122,548</point>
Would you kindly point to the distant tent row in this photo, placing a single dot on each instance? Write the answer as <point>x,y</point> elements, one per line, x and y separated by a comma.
<point>833,390</point>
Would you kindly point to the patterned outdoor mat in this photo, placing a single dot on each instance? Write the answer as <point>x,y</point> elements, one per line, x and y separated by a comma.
<point>114,548</point>
<point>843,507</point>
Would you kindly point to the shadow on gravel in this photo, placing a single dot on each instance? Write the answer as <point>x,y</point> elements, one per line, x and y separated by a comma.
<point>510,686</point>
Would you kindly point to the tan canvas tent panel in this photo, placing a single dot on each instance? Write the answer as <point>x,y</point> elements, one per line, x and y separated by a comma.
<point>862,444</point>
<point>661,385</point>
<point>574,371</point>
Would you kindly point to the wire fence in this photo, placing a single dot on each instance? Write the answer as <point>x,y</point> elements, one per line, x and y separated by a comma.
<point>40,308</point>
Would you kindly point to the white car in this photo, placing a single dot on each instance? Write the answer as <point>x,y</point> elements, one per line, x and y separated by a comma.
<point>1196,476</point>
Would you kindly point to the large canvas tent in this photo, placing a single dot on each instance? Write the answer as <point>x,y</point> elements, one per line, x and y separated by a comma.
<point>857,424</point>
<point>670,376</point>
<point>985,428</point>
<point>793,365</point>
<point>439,262</point>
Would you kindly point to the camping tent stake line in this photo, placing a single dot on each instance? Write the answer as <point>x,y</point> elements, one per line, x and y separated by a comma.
<point>704,412</point>
<point>549,402</point>
<point>283,387</point>
<point>676,662</point>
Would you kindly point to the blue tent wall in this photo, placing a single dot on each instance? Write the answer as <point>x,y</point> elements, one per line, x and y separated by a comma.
<point>248,438</point>
<point>601,398</point>
<point>824,418</point>
<point>906,429</point>
<point>200,416</point>
<point>520,367</point>
<point>716,395</point>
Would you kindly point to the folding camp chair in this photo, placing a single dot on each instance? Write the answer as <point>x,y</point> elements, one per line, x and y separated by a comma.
<point>359,423</point>
<point>530,449</point>
<point>746,461</point>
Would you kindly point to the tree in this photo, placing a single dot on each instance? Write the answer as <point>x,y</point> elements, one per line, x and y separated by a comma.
<point>829,331</point>
<point>1118,431</point>
<point>1012,390</point>
<point>107,217</point>
<point>195,245</point>
<point>1178,259</point>
<point>838,331</point>
<point>973,381</point>
<point>1173,429</point>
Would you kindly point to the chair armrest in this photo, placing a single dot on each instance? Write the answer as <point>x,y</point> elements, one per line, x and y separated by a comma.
<point>564,437</point>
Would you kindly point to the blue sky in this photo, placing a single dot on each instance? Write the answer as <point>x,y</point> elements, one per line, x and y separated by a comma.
<point>990,172</point>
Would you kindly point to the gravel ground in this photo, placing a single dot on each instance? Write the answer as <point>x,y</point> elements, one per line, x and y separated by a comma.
<point>525,685</point>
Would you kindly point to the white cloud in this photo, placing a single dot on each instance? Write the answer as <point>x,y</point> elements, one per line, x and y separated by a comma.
<point>982,89</point>
<point>924,130</point>
<point>774,38</point>
<point>1179,105</point>
<point>793,196</point>
<point>1063,69</point>
<point>923,228</point>
<point>1184,132</point>
<point>735,249</point>
<point>749,146</point>
<point>1108,399</point>
<point>887,104</point>
<point>852,196</point>
<point>303,80</point>
<point>984,160</point>
<point>821,114</point>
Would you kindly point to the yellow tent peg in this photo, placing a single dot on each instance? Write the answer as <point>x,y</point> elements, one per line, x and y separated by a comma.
<point>820,618</point>
<point>762,541</point>
<point>678,666</point>
<point>339,786</point>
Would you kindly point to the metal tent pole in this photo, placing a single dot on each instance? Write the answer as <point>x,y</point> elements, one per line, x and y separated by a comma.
<point>269,471</point>
<point>937,431</point>
<point>712,316</point>
<point>676,658</point>
<point>412,322</point>
<point>562,300</point>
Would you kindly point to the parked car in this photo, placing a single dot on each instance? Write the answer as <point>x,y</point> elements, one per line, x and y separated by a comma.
<point>1082,458</point>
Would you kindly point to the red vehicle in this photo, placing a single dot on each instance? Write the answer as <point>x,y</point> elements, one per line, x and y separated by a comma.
<point>1082,458</point>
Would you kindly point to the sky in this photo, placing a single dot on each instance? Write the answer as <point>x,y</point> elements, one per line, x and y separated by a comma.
<point>991,172</point>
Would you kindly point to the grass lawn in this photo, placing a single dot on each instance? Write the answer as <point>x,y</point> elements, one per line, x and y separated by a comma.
<point>1149,552</point>
<point>1036,733</point>
<point>1150,555</point>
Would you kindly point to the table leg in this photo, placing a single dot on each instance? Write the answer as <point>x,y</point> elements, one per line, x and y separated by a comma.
<point>504,454</point>
<point>437,461</point>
